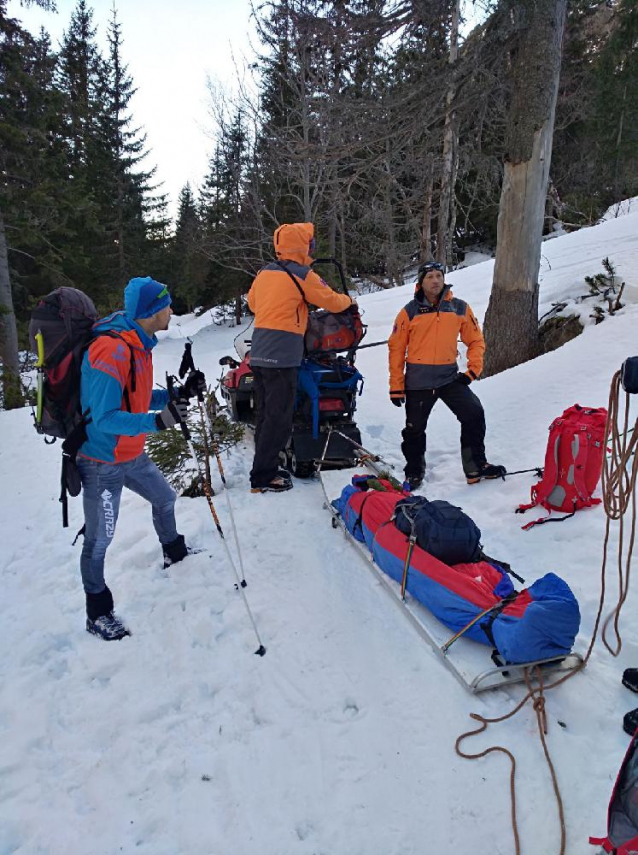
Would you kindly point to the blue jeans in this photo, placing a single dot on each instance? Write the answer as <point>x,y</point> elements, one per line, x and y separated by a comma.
<point>102,485</point>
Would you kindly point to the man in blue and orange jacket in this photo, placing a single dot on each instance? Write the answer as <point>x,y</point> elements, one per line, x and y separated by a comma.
<point>422,355</point>
<point>117,394</point>
<point>279,298</point>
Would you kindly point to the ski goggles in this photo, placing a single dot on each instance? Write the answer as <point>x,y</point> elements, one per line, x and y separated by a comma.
<point>430,265</point>
<point>311,247</point>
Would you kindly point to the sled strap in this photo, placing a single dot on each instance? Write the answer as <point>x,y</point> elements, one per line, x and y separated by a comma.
<point>359,521</point>
<point>494,613</point>
<point>502,564</point>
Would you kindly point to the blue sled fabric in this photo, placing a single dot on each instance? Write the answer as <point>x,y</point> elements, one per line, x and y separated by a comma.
<point>541,623</point>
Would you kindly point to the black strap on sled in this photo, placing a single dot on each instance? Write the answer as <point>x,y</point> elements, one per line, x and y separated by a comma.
<point>486,626</point>
<point>502,564</point>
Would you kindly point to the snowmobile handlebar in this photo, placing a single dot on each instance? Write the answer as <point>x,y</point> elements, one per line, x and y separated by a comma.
<point>339,267</point>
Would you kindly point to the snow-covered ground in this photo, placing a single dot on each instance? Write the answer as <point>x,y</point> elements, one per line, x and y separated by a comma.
<point>340,741</point>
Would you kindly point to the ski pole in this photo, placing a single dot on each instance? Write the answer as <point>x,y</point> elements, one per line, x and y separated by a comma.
<point>261,650</point>
<point>406,566</point>
<point>188,364</point>
<point>498,607</point>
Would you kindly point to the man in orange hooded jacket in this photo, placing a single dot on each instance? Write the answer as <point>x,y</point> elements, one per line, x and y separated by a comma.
<point>279,299</point>
<point>422,352</point>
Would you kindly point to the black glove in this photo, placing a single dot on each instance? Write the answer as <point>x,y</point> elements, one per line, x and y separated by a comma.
<point>172,414</point>
<point>194,385</point>
<point>398,401</point>
<point>465,379</point>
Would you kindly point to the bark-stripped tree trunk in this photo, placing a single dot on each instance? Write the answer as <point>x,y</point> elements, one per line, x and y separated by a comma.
<point>443,237</point>
<point>11,387</point>
<point>511,322</point>
<point>426,229</point>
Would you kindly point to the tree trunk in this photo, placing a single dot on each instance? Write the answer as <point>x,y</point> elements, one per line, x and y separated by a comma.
<point>511,322</point>
<point>9,357</point>
<point>443,238</point>
<point>426,230</point>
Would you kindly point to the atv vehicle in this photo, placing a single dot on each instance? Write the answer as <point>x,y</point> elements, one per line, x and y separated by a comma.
<point>327,387</point>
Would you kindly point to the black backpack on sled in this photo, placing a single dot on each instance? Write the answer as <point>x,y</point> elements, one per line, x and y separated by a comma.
<point>440,528</point>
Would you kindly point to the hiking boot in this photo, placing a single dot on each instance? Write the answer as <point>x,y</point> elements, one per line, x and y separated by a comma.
<point>175,551</point>
<point>284,473</point>
<point>630,679</point>
<point>630,722</point>
<point>107,627</point>
<point>488,471</point>
<point>279,484</point>
<point>414,481</point>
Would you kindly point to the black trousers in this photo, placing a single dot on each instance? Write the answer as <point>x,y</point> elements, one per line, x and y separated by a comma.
<point>274,390</point>
<point>466,407</point>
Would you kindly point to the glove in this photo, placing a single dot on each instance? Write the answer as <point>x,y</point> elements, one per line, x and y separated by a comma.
<point>465,379</point>
<point>172,414</point>
<point>398,401</point>
<point>194,386</point>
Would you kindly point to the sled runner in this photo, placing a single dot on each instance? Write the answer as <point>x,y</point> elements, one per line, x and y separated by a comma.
<point>468,660</point>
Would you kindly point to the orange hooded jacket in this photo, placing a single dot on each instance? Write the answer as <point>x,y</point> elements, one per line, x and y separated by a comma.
<point>423,343</point>
<point>281,312</point>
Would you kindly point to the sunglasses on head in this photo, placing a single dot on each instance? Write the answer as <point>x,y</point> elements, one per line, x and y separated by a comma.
<point>430,265</point>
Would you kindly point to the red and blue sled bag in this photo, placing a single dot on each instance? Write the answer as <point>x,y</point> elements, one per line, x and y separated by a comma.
<point>622,815</point>
<point>541,622</point>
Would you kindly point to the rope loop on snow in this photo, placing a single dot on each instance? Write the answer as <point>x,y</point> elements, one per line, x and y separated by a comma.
<point>619,480</point>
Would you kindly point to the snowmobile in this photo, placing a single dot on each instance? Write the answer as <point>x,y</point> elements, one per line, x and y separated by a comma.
<point>327,388</point>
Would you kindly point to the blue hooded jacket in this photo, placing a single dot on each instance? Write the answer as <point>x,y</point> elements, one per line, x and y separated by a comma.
<point>114,433</point>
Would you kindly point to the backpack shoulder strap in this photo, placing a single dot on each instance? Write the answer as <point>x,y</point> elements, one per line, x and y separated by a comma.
<point>131,377</point>
<point>294,279</point>
<point>579,468</point>
<point>549,480</point>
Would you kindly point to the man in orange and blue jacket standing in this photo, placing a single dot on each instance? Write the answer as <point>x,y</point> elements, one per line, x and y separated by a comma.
<point>279,299</point>
<point>423,368</point>
<point>116,394</point>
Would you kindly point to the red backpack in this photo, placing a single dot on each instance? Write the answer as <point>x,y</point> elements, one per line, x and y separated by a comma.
<point>573,463</point>
<point>622,814</point>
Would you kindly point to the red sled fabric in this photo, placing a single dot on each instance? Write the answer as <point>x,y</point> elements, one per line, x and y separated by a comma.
<point>541,622</point>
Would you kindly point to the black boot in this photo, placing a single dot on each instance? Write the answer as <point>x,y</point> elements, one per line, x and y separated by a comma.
<point>100,604</point>
<point>100,620</point>
<point>175,551</point>
<point>414,480</point>
<point>630,679</point>
<point>488,471</point>
<point>630,722</point>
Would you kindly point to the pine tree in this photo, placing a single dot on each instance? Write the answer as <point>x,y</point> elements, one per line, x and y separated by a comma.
<point>32,203</point>
<point>189,267</point>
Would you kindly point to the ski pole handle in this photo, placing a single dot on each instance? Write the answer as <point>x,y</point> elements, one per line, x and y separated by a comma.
<point>187,364</point>
<point>170,385</point>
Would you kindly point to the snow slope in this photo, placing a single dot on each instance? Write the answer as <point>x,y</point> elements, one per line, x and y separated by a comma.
<point>340,741</point>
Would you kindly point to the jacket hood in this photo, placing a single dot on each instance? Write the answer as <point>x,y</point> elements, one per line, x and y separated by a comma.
<point>119,322</point>
<point>292,242</point>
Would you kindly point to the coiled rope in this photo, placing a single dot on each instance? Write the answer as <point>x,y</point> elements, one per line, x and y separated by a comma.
<point>619,478</point>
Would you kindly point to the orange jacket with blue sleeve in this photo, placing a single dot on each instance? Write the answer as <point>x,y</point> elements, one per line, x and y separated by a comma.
<point>423,343</point>
<point>281,312</point>
<point>118,422</point>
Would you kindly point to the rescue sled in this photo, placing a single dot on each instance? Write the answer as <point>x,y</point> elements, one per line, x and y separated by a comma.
<point>473,664</point>
<point>328,385</point>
